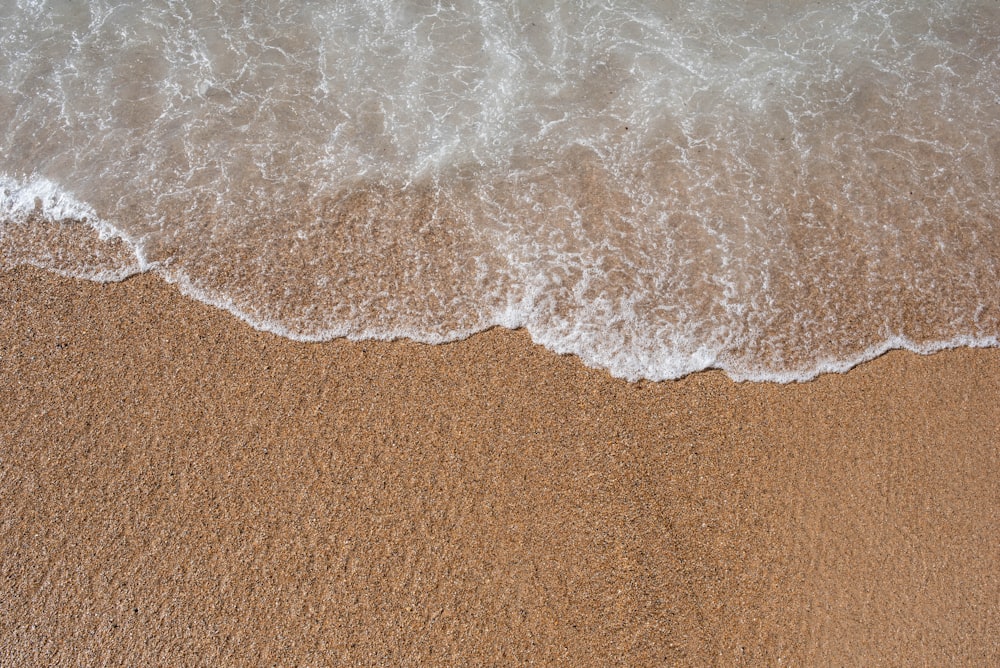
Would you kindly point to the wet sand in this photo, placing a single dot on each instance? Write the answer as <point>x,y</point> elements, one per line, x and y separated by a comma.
<point>180,489</point>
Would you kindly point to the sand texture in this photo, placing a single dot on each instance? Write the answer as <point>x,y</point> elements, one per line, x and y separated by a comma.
<point>179,489</point>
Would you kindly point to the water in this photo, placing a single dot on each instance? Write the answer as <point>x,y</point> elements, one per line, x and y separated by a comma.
<point>776,189</point>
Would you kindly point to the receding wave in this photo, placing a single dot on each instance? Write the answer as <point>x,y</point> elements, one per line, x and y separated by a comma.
<point>774,189</point>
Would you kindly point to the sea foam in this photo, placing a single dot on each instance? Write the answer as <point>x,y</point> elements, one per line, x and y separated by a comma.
<point>774,189</point>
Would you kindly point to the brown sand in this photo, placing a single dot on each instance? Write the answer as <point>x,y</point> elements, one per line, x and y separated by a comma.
<point>180,489</point>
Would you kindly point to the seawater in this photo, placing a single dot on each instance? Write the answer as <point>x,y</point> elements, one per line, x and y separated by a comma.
<point>776,189</point>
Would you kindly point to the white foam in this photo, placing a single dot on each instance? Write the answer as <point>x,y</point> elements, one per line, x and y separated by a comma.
<point>41,199</point>
<point>656,186</point>
<point>39,196</point>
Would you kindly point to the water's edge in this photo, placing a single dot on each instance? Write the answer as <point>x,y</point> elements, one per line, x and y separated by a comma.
<point>80,216</point>
<point>773,189</point>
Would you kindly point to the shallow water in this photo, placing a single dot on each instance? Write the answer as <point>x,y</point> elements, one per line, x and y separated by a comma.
<point>775,189</point>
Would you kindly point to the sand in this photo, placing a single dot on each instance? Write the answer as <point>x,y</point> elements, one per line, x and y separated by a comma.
<point>181,489</point>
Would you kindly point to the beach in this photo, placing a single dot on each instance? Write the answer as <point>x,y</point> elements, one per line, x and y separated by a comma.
<point>180,489</point>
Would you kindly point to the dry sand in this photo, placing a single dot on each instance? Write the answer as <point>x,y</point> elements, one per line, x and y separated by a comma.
<point>180,489</point>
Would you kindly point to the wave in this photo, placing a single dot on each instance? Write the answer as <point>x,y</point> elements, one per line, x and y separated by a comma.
<point>774,189</point>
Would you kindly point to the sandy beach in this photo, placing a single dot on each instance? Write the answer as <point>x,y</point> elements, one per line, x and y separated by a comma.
<point>179,489</point>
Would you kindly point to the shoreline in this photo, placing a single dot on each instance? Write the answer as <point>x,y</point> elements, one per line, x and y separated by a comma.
<point>181,485</point>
